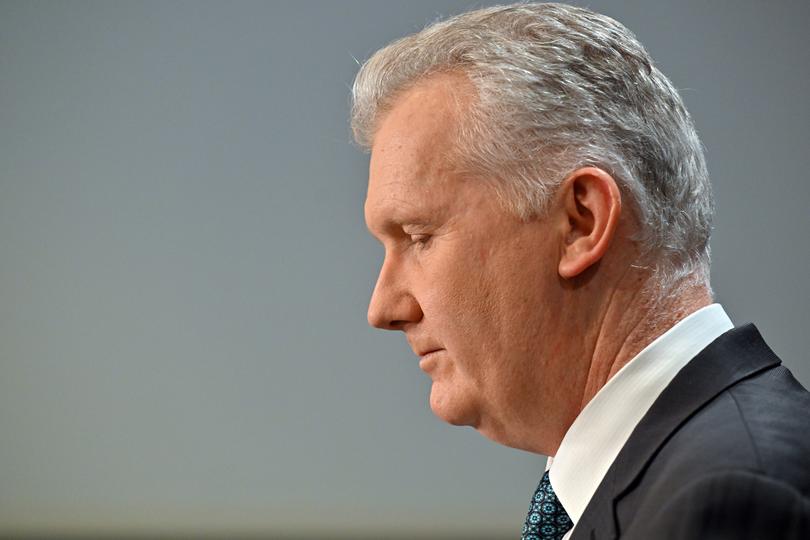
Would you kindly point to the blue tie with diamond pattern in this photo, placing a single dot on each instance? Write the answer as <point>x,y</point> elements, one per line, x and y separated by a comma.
<point>547,519</point>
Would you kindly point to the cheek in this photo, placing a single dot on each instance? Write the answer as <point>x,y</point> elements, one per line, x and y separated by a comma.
<point>451,276</point>
<point>461,293</point>
<point>483,300</point>
<point>509,304</point>
<point>456,301</point>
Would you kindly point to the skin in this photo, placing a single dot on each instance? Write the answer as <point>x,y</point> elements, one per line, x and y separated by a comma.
<point>517,322</point>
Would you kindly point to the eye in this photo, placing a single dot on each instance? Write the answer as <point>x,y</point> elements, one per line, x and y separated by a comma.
<point>420,240</point>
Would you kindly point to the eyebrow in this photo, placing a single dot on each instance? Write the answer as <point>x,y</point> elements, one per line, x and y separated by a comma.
<point>392,224</point>
<point>395,214</point>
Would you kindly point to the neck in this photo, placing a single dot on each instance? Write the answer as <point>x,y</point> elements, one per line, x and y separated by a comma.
<point>627,317</point>
<point>632,319</point>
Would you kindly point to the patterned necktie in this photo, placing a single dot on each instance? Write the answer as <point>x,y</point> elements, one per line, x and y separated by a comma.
<point>547,519</point>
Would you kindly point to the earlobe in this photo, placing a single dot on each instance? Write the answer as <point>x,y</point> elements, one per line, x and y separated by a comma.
<point>592,202</point>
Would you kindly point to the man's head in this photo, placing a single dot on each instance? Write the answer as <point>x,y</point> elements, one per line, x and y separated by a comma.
<point>527,162</point>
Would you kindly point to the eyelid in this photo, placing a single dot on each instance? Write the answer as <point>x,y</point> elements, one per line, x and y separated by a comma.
<point>416,231</point>
<point>416,228</point>
<point>420,241</point>
<point>419,234</point>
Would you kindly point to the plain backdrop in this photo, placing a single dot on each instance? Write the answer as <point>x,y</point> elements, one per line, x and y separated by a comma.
<point>184,268</point>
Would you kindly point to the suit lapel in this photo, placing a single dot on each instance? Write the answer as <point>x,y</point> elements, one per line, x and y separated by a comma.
<point>735,355</point>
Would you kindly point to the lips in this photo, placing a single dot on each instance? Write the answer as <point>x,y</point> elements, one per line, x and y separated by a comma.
<point>428,360</point>
<point>423,346</point>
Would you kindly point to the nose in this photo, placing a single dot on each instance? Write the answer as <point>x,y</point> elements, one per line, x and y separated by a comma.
<point>392,304</point>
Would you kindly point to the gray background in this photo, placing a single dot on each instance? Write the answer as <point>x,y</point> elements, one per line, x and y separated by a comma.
<point>184,268</point>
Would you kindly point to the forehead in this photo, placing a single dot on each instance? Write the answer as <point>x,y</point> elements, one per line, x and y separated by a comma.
<point>413,143</point>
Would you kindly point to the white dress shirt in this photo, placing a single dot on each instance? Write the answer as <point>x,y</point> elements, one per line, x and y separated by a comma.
<point>602,428</point>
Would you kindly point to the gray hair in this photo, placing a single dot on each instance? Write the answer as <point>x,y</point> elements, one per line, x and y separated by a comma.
<point>558,88</point>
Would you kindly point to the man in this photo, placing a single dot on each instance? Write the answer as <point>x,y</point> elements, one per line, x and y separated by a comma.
<point>545,209</point>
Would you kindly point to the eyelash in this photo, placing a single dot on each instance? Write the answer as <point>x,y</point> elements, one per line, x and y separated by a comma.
<point>420,240</point>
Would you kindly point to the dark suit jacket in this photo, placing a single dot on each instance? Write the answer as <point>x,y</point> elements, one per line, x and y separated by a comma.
<point>723,453</point>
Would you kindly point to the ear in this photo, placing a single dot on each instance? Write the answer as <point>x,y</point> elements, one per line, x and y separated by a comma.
<point>592,204</point>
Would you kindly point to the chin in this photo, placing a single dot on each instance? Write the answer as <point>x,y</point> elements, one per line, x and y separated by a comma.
<point>462,409</point>
<point>455,409</point>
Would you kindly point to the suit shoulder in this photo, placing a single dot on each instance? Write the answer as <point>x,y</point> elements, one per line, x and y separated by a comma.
<point>729,504</point>
<point>774,409</point>
<point>761,424</point>
<point>750,441</point>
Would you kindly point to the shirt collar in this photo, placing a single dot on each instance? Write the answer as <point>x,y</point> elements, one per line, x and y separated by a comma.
<point>602,428</point>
